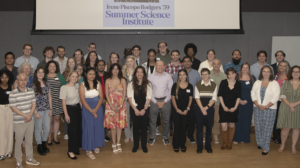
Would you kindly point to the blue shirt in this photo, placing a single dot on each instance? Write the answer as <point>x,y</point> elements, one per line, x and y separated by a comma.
<point>194,77</point>
<point>231,64</point>
<point>32,60</point>
<point>255,70</point>
<point>30,80</point>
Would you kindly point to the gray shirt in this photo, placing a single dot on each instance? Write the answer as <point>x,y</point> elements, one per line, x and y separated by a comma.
<point>62,64</point>
<point>194,77</point>
<point>70,94</point>
<point>32,60</point>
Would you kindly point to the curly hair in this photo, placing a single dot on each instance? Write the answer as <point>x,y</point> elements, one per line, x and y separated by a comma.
<point>21,67</point>
<point>190,45</point>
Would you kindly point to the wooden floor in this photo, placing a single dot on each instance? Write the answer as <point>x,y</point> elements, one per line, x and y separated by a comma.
<point>160,156</point>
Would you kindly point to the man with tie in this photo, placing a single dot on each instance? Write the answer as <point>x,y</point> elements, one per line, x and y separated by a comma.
<point>136,51</point>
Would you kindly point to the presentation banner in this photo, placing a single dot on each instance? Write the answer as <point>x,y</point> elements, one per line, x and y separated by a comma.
<point>138,13</point>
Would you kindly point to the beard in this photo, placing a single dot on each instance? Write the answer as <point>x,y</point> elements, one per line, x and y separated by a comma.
<point>235,61</point>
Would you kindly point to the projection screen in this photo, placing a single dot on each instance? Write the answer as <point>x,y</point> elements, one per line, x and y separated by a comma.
<point>137,16</point>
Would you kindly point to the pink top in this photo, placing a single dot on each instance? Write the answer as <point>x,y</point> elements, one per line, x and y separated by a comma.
<point>280,82</point>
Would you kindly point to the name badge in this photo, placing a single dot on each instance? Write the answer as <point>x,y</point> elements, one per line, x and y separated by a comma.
<point>247,83</point>
<point>211,80</point>
<point>188,91</point>
<point>158,59</point>
<point>8,92</point>
<point>56,79</point>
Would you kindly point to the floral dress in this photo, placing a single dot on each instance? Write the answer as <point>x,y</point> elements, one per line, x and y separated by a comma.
<point>114,120</point>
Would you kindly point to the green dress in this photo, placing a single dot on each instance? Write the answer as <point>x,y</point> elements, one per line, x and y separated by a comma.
<point>287,119</point>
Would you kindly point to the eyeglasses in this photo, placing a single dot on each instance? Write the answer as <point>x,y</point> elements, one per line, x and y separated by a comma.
<point>296,71</point>
<point>135,50</point>
<point>9,58</point>
<point>204,75</point>
<point>162,46</point>
<point>279,56</point>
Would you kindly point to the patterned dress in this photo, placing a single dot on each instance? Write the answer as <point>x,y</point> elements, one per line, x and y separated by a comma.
<point>114,120</point>
<point>55,85</point>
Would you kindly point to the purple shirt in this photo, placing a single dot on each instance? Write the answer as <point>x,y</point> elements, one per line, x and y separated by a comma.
<point>161,86</point>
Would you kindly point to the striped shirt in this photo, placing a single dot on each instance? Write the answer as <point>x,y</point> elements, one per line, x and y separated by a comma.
<point>22,101</point>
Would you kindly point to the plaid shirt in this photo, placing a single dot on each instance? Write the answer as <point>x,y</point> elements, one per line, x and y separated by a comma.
<point>172,69</point>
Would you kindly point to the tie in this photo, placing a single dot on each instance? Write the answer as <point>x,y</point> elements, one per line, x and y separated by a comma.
<point>137,62</point>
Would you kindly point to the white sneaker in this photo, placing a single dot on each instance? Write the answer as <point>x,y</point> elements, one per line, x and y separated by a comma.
<point>216,139</point>
<point>235,143</point>
<point>66,136</point>
<point>157,131</point>
<point>58,133</point>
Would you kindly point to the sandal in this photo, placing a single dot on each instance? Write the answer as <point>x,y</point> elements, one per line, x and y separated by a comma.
<point>115,150</point>
<point>126,140</point>
<point>90,155</point>
<point>97,150</point>
<point>119,147</point>
<point>280,149</point>
<point>294,151</point>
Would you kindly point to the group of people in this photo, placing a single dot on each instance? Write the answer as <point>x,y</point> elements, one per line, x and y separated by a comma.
<point>183,94</point>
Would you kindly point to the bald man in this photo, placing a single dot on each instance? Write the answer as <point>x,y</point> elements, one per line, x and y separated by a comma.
<point>22,102</point>
<point>160,102</point>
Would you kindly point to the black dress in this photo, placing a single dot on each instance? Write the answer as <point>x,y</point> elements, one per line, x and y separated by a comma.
<point>229,98</point>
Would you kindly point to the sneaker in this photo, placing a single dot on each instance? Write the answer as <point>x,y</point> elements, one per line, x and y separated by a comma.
<point>191,139</point>
<point>32,162</point>
<point>216,139</point>
<point>66,136</point>
<point>166,141</point>
<point>235,143</point>
<point>107,139</point>
<point>19,165</point>
<point>2,157</point>
<point>157,131</point>
<point>151,141</point>
<point>58,133</point>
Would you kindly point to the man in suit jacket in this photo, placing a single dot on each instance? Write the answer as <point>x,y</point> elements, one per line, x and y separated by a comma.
<point>280,56</point>
<point>101,76</point>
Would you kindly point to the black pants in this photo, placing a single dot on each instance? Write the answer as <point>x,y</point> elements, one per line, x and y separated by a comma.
<point>139,128</point>
<point>180,123</point>
<point>191,120</point>
<point>276,132</point>
<point>208,122</point>
<point>74,128</point>
<point>103,107</point>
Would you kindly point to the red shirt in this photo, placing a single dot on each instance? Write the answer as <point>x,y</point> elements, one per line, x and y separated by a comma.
<point>103,87</point>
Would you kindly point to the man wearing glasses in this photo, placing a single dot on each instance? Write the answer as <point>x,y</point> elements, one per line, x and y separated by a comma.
<point>280,56</point>
<point>26,57</point>
<point>91,47</point>
<point>9,64</point>
<point>261,61</point>
<point>163,53</point>
<point>136,52</point>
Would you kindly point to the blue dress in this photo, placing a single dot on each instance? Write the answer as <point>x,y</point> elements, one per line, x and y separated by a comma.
<point>243,126</point>
<point>92,128</point>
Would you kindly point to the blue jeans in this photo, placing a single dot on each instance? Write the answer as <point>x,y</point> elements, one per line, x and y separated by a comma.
<point>42,124</point>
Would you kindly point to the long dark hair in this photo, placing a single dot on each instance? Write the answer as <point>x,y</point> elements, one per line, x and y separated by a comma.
<point>37,83</point>
<point>86,83</point>
<point>9,75</point>
<point>178,80</point>
<point>87,63</point>
<point>135,82</point>
<point>120,76</point>
<point>151,50</point>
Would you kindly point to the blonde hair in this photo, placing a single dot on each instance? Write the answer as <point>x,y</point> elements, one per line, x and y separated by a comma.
<point>24,64</point>
<point>125,68</point>
<point>67,70</point>
<point>68,76</point>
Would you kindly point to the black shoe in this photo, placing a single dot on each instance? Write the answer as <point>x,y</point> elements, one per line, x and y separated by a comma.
<point>76,153</point>
<point>259,147</point>
<point>183,149</point>
<point>73,158</point>
<point>199,151</point>
<point>56,142</point>
<point>40,150</point>
<point>134,149</point>
<point>209,150</point>
<point>44,144</point>
<point>49,144</point>
<point>263,153</point>
<point>145,150</point>
<point>176,150</point>
<point>191,139</point>
<point>107,139</point>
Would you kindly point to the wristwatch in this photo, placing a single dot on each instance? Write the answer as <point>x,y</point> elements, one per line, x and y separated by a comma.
<point>188,109</point>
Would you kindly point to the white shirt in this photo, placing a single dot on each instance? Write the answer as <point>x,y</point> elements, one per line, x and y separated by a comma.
<point>130,93</point>
<point>205,64</point>
<point>214,94</point>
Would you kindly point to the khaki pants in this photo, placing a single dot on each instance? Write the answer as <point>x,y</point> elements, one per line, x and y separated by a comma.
<point>216,127</point>
<point>21,131</point>
<point>6,130</point>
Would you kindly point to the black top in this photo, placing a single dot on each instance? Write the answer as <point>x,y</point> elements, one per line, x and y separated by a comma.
<point>140,99</point>
<point>229,96</point>
<point>4,93</point>
<point>183,96</point>
<point>196,64</point>
<point>274,66</point>
<point>151,69</point>
<point>14,72</point>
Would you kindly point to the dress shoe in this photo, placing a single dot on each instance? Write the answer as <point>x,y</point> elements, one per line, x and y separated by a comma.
<point>199,151</point>
<point>56,142</point>
<point>40,150</point>
<point>44,144</point>
<point>73,158</point>
<point>183,149</point>
<point>209,150</point>
<point>259,147</point>
<point>264,153</point>
<point>176,150</point>
<point>145,150</point>
<point>134,149</point>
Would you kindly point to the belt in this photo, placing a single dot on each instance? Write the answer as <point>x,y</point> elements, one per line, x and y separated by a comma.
<point>162,98</point>
<point>73,104</point>
<point>5,105</point>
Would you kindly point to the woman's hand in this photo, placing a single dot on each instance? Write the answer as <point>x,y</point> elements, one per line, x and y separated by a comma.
<point>50,113</point>
<point>37,116</point>
<point>142,112</point>
<point>232,110</point>
<point>226,109</point>
<point>293,110</point>
<point>261,107</point>
<point>179,112</point>
<point>184,112</point>
<point>95,115</point>
<point>67,119</point>
<point>292,105</point>
<point>137,112</point>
